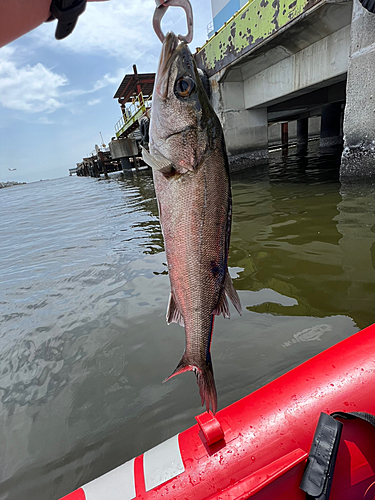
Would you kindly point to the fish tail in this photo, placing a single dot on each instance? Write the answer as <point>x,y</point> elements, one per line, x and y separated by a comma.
<point>207,387</point>
<point>205,380</point>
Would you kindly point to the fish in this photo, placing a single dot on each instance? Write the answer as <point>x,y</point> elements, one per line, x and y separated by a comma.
<point>188,158</point>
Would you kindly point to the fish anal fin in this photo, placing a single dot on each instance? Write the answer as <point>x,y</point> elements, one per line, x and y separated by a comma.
<point>222,307</point>
<point>228,292</point>
<point>231,293</point>
<point>158,162</point>
<point>173,313</point>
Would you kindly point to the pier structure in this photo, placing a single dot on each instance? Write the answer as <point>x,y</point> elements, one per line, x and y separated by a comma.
<point>123,153</point>
<point>307,63</point>
<point>99,162</point>
<point>134,96</point>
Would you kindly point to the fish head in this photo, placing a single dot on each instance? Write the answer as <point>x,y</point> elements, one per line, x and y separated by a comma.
<point>183,123</point>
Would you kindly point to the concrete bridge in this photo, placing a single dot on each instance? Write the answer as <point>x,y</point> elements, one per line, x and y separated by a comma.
<point>285,60</point>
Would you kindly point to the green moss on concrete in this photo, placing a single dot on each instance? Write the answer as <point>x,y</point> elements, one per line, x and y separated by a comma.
<point>254,23</point>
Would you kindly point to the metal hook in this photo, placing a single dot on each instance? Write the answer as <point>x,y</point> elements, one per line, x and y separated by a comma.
<point>161,9</point>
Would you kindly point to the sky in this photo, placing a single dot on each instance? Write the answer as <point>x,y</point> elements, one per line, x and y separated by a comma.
<point>56,97</point>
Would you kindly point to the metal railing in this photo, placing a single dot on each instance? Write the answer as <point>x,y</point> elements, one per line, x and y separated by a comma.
<point>137,108</point>
<point>100,148</point>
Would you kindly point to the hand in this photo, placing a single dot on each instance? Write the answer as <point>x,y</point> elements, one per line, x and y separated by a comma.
<point>20,17</point>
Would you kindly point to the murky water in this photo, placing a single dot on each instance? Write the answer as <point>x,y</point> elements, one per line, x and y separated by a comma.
<point>83,341</point>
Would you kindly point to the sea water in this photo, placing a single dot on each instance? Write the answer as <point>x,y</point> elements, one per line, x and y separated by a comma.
<point>84,345</point>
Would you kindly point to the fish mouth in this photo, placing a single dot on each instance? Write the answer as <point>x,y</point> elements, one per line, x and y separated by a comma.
<point>171,48</point>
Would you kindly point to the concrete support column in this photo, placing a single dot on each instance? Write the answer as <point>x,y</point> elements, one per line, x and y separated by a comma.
<point>358,159</point>
<point>330,127</point>
<point>101,163</point>
<point>245,130</point>
<point>302,135</point>
<point>96,169</point>
<point>246,137</point>
<point>125,164</point>
<point>284,136</point>
<point>135,163</point>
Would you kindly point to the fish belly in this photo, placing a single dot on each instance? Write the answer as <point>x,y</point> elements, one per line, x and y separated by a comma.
<point>194,212</point>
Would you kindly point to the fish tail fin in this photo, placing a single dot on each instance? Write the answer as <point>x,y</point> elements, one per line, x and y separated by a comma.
<point>207,387</point>
<point>183,366</point>
<point>205,380</point>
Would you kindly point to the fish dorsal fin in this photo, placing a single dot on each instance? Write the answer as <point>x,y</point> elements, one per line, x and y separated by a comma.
<point>157,162</point>
<point>230,292</point>
<point>173,313</point>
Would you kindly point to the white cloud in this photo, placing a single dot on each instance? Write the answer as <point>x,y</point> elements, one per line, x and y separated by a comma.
<point>44,120</point>
<point>121,28</point>
<point>28,88</point>
<point>109,79</point>
<point>93,102</point>
<point>36,89</point>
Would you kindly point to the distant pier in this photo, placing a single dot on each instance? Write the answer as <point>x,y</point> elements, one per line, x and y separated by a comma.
<point>123,152</point>
<point>100,162</point>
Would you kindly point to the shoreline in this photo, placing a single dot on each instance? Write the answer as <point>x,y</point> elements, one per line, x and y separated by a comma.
<point>10,183</point>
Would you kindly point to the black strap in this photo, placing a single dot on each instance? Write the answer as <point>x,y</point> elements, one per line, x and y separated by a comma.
<point>367,417</point>
<point>369,5</point>
<point>66,12</point>
<point>317,478</point>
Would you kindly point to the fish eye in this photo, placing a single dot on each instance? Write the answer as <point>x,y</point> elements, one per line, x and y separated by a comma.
<point>184,86</point>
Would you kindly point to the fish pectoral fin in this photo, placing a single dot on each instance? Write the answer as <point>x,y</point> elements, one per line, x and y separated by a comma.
<point>157,162</point>
<point>228,292</point>
<point>173,313</point>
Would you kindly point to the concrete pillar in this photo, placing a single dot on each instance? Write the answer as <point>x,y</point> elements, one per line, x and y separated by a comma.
<point>101,164</point>
<point>245,130</point>
<point>125,164</point>
<point>358,158</point>
<point>246,137</point>
<point>302,135</point>
<point>95,169</point>
<point>104,168</point>
<point>284,136</point>
<point>330,126</point>
<point>135,162</point>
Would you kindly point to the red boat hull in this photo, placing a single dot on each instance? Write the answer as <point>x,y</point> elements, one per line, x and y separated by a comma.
<point>258,447</point>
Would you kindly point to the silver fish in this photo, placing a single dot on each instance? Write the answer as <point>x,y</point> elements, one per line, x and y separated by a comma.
<point>191,177</point>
